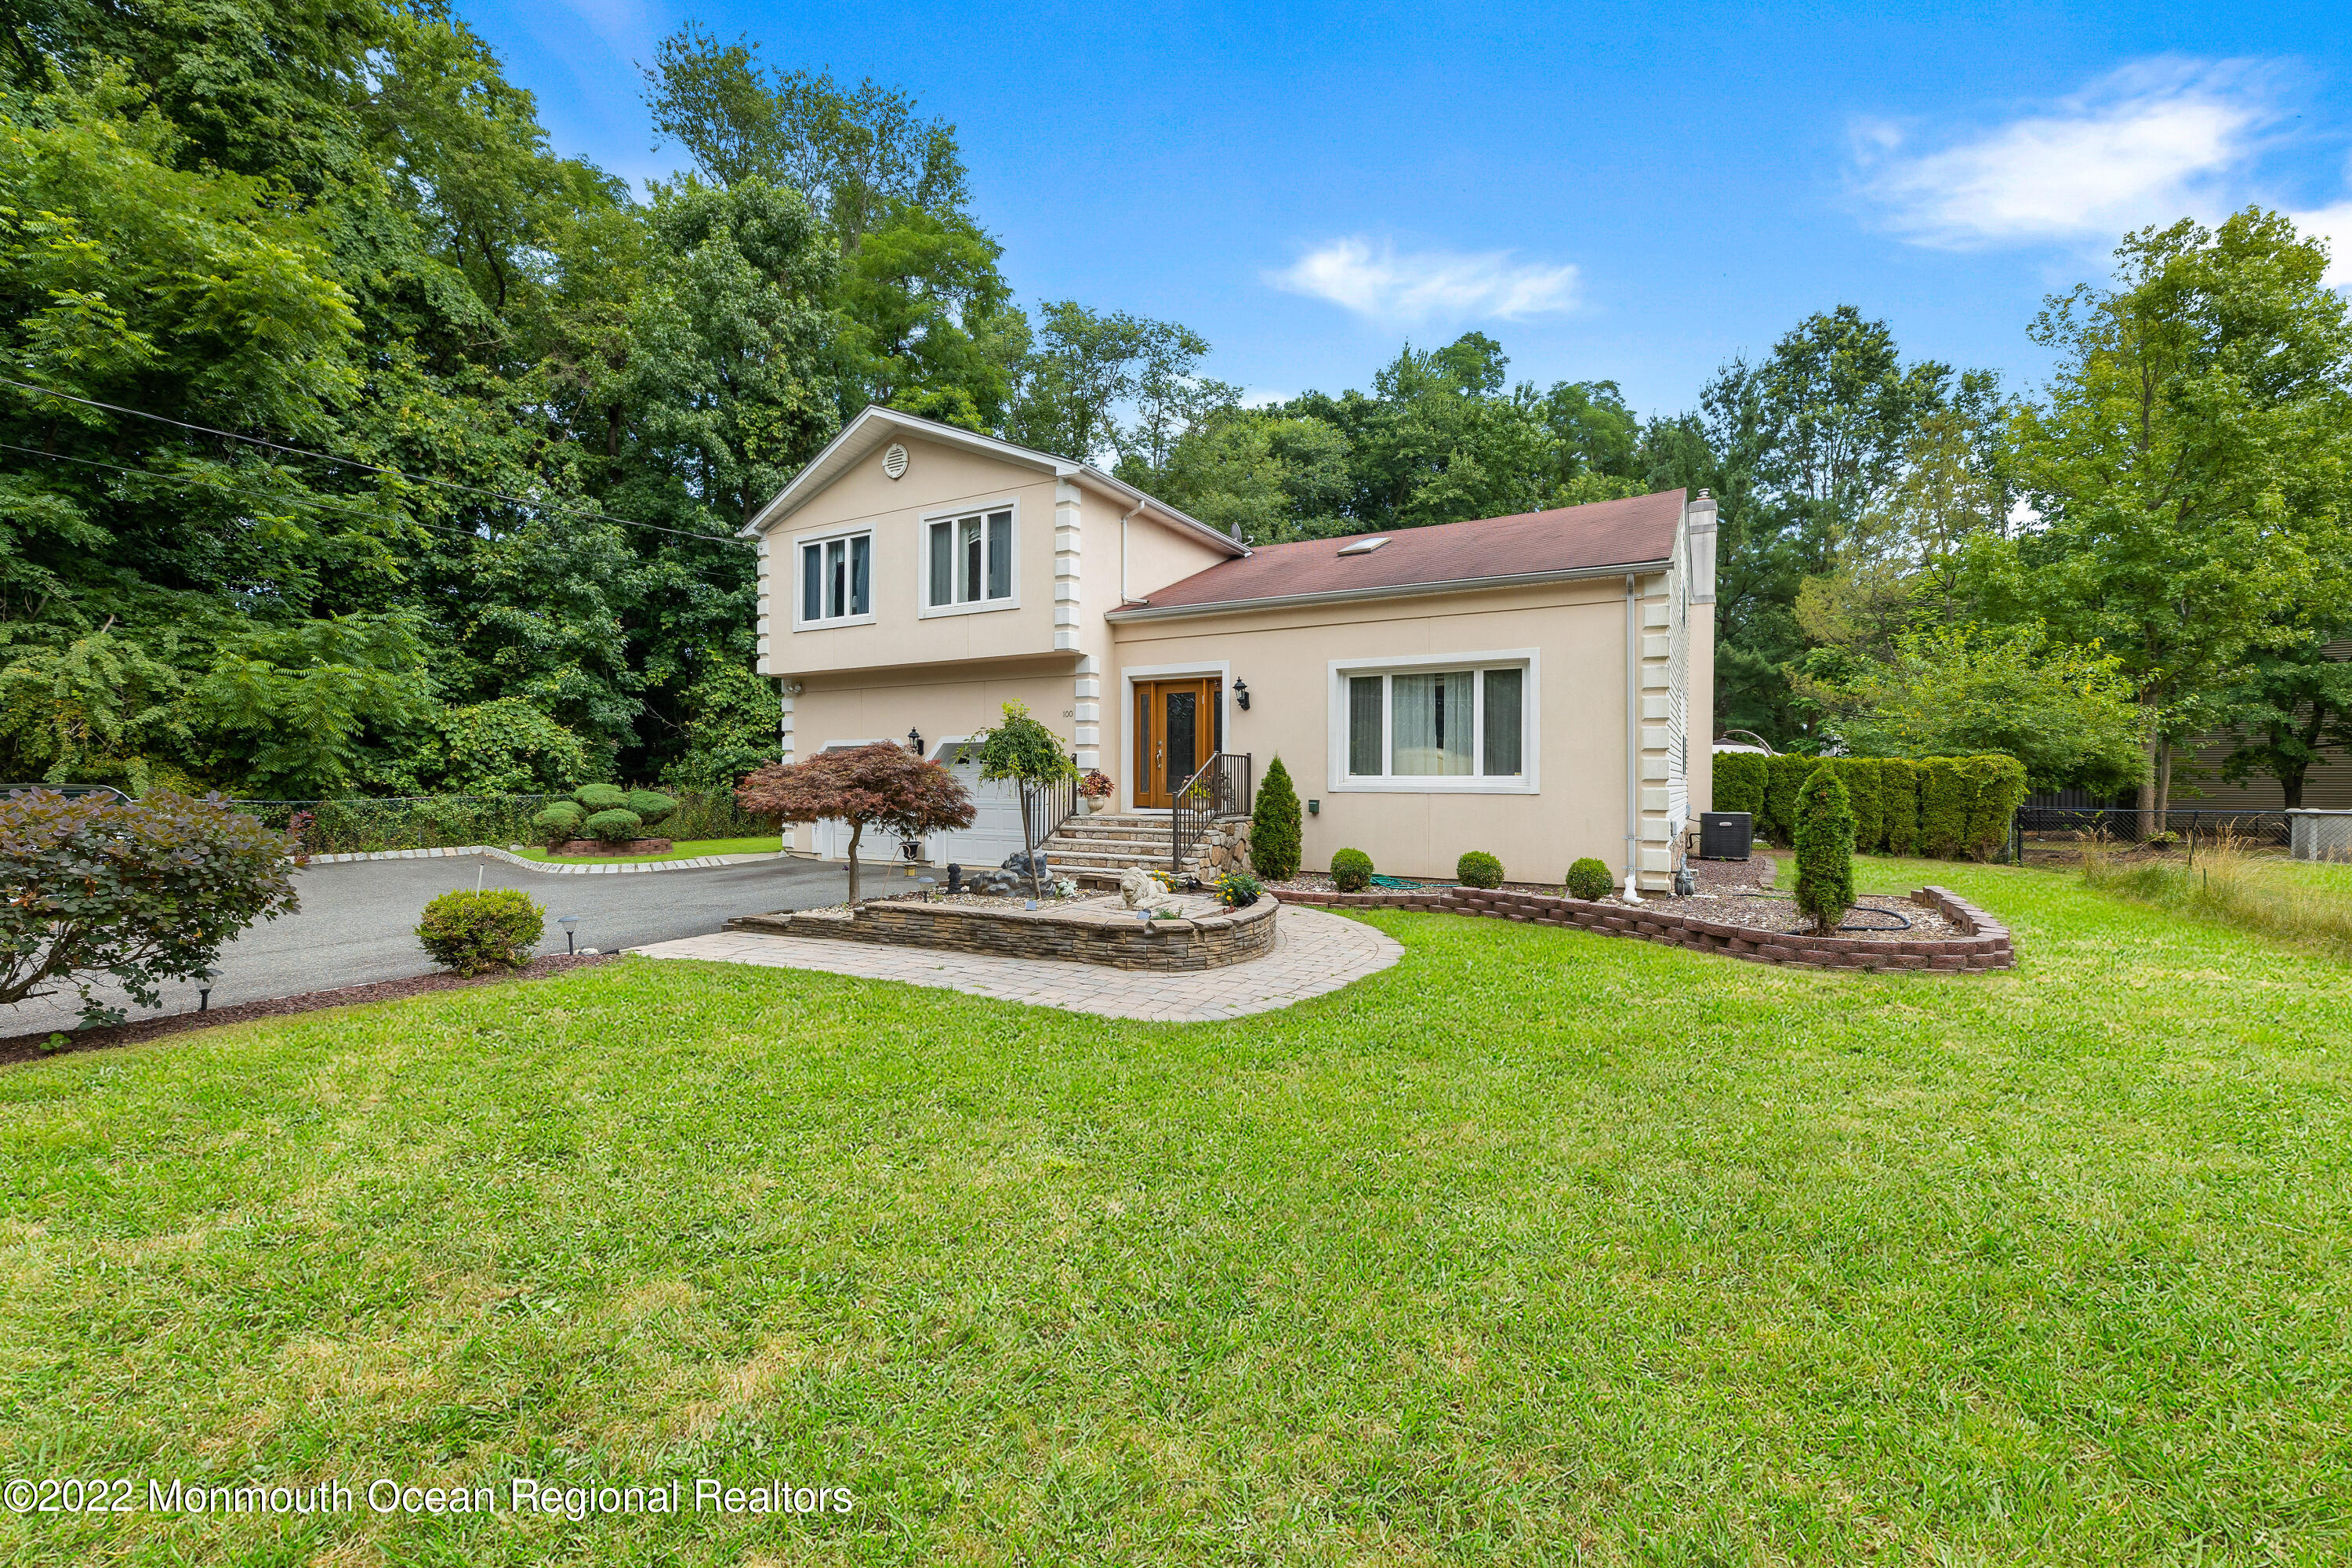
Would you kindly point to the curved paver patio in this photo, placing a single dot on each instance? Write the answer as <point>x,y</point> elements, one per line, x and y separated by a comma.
<point>1314,952</point>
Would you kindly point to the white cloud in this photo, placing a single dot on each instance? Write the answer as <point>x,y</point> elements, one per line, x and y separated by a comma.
<point>2334,225</point>
<point>2152,142</point>
<point>1387,285</point>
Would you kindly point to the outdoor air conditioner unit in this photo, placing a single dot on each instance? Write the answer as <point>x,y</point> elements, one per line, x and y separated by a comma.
<point>1726,835</point>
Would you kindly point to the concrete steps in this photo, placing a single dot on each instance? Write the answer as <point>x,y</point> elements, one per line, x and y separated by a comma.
<point>1098,849</point>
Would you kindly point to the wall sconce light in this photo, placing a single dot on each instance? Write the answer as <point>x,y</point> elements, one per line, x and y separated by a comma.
<point>914,740</point>
<point>1241,694</point>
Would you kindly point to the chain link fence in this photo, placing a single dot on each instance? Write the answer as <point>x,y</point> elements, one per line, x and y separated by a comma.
<point>2057,832</point>
<point>367,825</point>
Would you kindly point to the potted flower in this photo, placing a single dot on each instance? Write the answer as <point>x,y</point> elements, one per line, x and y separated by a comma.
<point>1096,789</point>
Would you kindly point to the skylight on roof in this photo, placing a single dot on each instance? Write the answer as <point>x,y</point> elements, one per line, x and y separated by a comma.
<point>1362,546</point>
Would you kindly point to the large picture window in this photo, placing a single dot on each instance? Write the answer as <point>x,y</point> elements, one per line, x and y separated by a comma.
<point>969,561</point>
<point>837,579</point>
<point>1467,724</point>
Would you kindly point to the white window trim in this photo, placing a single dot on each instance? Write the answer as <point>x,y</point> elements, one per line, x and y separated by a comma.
<point>924,609</point>
<point>796,587</point>
<point>1336,779</point>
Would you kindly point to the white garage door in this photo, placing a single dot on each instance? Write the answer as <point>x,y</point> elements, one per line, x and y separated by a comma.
<point>995,833</point>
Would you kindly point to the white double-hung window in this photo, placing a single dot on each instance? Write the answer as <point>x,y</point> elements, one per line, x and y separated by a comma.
<point>837,580</point>
<point>1455,722</point>
<point>968,562</point>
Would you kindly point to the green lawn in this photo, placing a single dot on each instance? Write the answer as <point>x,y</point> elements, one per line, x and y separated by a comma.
<point>682,850</point>
<point>1538,1247</point>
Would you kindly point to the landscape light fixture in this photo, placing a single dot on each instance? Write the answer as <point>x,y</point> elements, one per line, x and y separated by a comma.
<point>1241,695</point>
<point>205,978</point>
<point>568,922</point>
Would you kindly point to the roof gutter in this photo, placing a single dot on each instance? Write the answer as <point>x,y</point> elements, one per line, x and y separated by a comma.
<point>1390,590</point>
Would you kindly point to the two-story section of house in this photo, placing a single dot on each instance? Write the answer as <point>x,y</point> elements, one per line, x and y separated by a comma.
<point>1524,685</point>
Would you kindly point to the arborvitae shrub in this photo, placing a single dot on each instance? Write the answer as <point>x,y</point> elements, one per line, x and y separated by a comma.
<point>1997,788</point>
<point>1351,870</point>
<point>1273,824</point>
<point>1824,849</point>
<point>1945,792</point>
<point>1898,804</point>
<point>471,932</point>
<point>1860,775</point>
<point>1478,869</point>
<point>1740,782</point>
<point>1589,878</point>
<point>1786,775</point>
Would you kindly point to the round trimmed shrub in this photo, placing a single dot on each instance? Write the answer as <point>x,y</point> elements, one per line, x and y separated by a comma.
<point>1588,879</point>
<point>651,806</point>
<point>474,932</point>
<point>612,827</point>
<point>1478,869</point>
<point>602,797</point>
<point>557,824</point>
<point>1351,870</point>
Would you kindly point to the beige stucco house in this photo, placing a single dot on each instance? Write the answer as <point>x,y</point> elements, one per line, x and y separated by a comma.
<point>1521,685</point>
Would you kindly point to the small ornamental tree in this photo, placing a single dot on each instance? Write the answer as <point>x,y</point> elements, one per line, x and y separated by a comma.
<point>1824,836</point>
<point>1024,751</point>
<point>139,891</point>
<point>1273,825</point>
<point>881,785</point>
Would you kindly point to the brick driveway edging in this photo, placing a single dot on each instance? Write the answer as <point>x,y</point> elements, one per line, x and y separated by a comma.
<point>1986,946</point>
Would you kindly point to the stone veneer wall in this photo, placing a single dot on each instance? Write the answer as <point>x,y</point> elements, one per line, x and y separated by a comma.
<point>1987,945</point>
<point>1170,946</point>
<point>1224,846</point>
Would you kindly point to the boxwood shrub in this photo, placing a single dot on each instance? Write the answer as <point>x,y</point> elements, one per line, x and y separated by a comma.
<point>1478,869</point>
<point>1351,870</point>
<point>1588,879</point>
<point>473,932</point>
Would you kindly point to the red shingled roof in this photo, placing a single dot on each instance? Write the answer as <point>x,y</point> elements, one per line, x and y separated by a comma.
<point>1568,539</point>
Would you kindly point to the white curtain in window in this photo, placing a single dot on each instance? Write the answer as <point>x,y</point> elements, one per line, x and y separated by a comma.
<point>968,567</point>
<point>861,574</point>
<point>1430,723</point>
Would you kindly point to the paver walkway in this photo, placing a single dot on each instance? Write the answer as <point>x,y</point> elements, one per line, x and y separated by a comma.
<point>1313,952</point>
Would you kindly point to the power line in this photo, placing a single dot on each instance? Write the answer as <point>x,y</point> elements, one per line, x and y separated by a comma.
<point>237,490</point>
<point>366,468</point>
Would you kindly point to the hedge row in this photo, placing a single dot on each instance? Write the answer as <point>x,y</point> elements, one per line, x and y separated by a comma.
<point>1944,807</point>
<point>445,822</point>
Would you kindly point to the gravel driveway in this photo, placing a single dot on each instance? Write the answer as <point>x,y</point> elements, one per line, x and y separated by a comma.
<point>358,921</point>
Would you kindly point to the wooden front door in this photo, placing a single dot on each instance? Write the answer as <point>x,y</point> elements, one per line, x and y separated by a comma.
<point>1179,726</point>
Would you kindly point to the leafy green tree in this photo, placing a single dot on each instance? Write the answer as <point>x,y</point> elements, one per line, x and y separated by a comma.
<point>2291,708</point>
<point>1824,841</point>
<point>2071,715</point>
<point>1025,751</point>
<point>99,710</point>
<point>506,746</point>
<point>733,726</point>
<point>315,708</point>
<point>2189,461</point>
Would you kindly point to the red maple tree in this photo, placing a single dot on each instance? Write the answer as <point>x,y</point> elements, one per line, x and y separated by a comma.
<point>884,785</point>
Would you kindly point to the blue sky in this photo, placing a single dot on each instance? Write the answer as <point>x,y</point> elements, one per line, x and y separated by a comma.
<point>1612,191</point>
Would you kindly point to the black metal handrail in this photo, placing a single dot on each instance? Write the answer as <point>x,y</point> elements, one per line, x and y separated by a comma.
<point>1221,788</point>
<point>1049,805</point>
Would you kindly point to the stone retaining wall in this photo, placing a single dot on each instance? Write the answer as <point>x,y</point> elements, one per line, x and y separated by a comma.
<point>1209,943</point>
<point>1987,945</point>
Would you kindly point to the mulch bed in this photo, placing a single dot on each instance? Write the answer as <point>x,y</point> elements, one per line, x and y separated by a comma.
<point>30,1048</point>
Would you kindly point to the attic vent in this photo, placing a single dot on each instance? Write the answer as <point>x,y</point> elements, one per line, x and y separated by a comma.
<point>894,461</point>
<point>1362,547</point>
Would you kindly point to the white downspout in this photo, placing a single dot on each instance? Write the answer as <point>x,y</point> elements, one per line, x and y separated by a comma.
<point>1632,894</point>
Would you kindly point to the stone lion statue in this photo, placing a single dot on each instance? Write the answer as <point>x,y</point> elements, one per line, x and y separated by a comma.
<point>1137,888</point>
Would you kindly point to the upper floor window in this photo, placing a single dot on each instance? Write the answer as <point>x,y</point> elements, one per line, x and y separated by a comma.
<point>969,561</point>
<point>837,580</point>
